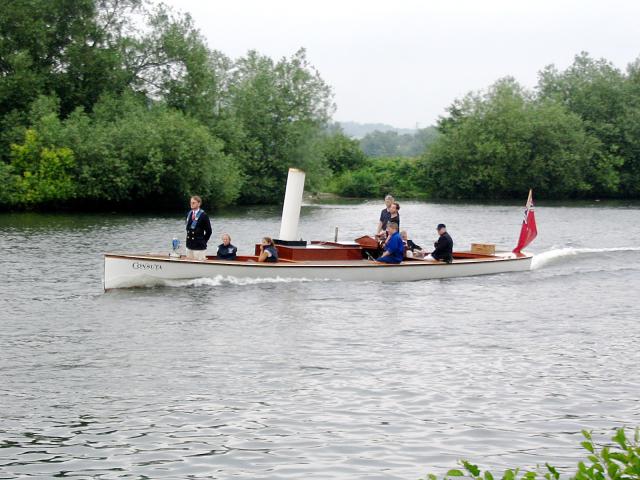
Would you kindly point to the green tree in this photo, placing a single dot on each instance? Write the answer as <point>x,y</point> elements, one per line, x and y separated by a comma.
<point>172,61</point>
<point>504,142</point>
<point>630,127</point>
<point>125,151</point>
<point>379,176</point>
<point>68,49</point>
<point>358,184</point>
<point>391,143</point>
<point>156,155</point>
<point>595,91</point>
<point>423,139</point>
<point>58,47</point>
<point>283,107</point>
<point>42,174</point>
<point>9,196</point>
<point>380,144</point>
<point>342,153</point>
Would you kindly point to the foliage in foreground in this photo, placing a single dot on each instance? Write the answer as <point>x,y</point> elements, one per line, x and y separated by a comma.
<point>620,461</point>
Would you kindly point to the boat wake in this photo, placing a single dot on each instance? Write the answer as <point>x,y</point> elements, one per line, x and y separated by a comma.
<point>559,254</point>
<point>220,280</point>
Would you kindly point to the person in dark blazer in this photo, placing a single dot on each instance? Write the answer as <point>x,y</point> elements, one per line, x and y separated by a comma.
<point>198,230</point>
<point>443,247</point>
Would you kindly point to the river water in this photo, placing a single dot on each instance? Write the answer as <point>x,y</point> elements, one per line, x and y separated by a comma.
<point>216,378</point>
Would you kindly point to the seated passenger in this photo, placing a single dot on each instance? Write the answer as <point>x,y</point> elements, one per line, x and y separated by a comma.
<point>268,251</point>
<point>411,250</point>
<point>394,248</point>
<point>226,251</point>
<point>443,247</point>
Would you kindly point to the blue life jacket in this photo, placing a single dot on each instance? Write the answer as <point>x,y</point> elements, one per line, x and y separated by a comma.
<point>226,253</point>
<point>274,254</point>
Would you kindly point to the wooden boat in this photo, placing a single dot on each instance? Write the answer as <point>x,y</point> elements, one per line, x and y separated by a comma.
<point>345,261</point>
<point>125,270</point>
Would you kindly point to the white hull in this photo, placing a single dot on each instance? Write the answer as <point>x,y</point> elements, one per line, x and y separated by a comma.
<point>122,271</point>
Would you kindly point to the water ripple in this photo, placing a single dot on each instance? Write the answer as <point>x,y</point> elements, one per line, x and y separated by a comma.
<point>213,378</point>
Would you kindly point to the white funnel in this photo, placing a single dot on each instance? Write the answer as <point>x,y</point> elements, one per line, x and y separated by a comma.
<point>292,204</point>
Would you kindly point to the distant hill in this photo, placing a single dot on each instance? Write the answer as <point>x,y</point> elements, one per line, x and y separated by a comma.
<point>359,130</point>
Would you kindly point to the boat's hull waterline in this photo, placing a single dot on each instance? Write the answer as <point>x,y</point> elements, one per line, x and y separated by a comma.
<point>124,270</point>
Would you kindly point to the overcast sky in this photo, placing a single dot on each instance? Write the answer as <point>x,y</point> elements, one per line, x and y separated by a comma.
<point>403,62</point>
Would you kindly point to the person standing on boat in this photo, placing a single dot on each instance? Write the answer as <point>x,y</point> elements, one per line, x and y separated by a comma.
<point>268,251</point>
<point>443,247</point>
<point>393,218</point>
<point>226,251</point>
<point>198,230</point>
<point>385,214</point>
<point>394,248</point>
<point>394,213</point>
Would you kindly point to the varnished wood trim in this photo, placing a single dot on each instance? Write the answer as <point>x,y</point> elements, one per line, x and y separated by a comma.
<point>293,264</point>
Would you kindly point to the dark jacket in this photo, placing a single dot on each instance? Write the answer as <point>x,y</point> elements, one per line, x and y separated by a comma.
<point>444,248</point>
<point>413,246</point>
<point>198,234</point>
<point>226,252</point>
<point>385,218</point>
<point>274,254</point>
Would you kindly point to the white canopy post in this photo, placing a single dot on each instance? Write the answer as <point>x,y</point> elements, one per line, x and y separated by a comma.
<point>292,205</point>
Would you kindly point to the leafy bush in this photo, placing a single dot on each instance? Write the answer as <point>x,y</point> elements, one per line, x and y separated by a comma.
<point>378,177</point>
<point>156,154</point>
<point>125,152</point>
<point>146,112</point>
<point>283,107</point>
<point>342,153</point>
<point>42,174</point>
<point>576,135</point>
<point>620,461</point>
<point>503,143</point>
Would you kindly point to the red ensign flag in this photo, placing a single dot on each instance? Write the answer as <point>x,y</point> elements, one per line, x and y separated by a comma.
<point>529,231</point>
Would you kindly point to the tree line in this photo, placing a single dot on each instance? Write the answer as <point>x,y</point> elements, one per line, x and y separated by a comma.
<point>109,103</point>
<point>575,135</point>
<point>115,102</point>
<point>387,144</point>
